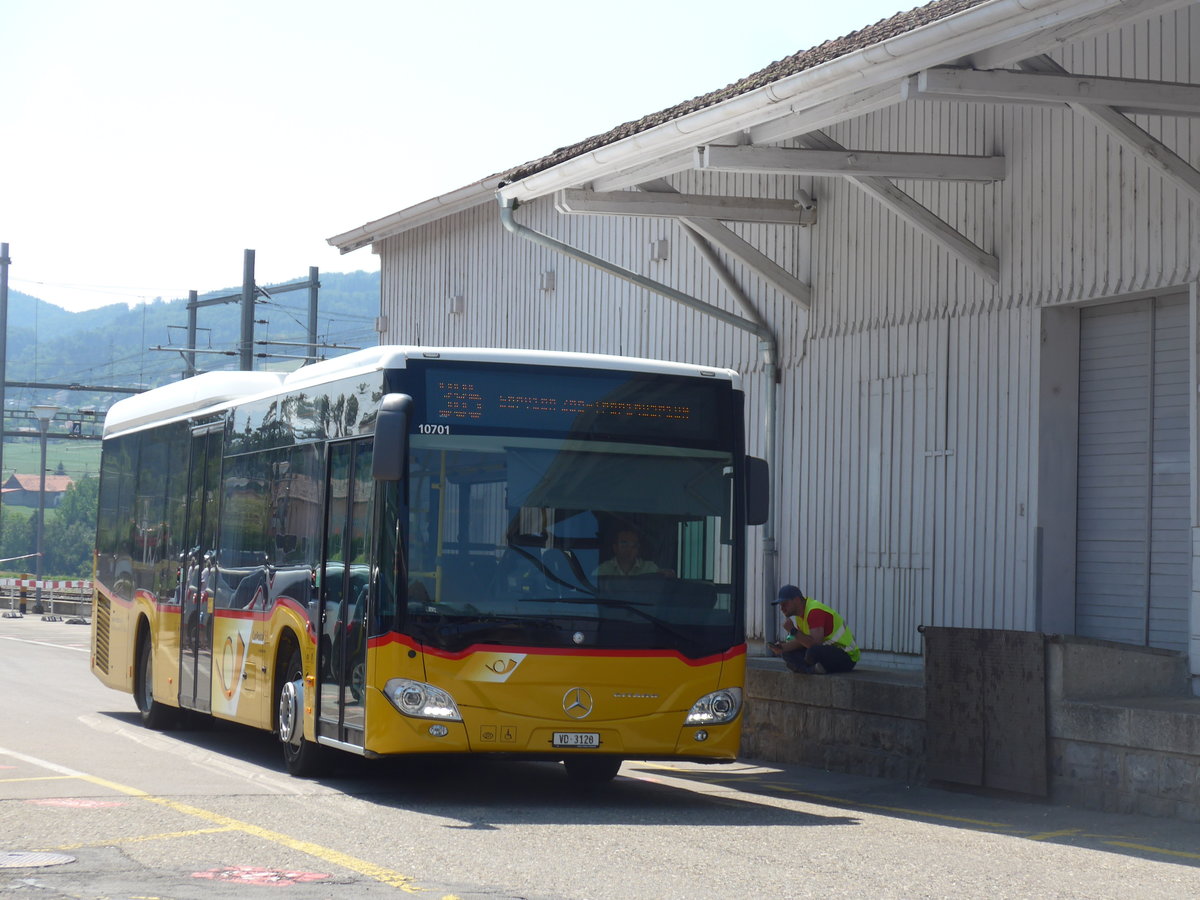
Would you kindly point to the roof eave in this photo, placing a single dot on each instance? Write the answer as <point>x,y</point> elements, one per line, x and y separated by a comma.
<point>958,36</point>
<point>414,216</point>
<point>944,40</point>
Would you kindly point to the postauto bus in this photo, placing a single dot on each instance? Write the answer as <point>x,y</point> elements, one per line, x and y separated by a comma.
<point>410,550</point>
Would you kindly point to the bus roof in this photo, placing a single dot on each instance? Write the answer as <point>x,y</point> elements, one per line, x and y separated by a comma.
<point>373,359</point>
<point>213,390</point>
<point>191,395</point>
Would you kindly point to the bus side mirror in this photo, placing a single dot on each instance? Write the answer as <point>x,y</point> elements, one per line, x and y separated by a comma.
<point>391,437</point>
<point>758,491</point>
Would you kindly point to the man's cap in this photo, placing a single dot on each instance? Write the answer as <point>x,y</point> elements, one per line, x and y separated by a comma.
<point>788,592</point>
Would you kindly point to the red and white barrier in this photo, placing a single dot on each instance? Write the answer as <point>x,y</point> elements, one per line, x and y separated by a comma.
<point>31,584</point>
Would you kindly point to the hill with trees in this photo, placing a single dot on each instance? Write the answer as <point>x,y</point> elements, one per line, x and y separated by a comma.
<point>116,346</point>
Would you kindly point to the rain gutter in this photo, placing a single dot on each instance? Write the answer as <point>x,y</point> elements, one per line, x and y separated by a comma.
<point>423,213</point>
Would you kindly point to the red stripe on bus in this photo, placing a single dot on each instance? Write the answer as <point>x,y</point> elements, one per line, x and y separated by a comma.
<point>405,640</point>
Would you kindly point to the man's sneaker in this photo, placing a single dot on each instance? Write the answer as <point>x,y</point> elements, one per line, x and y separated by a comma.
<point>819,669</point>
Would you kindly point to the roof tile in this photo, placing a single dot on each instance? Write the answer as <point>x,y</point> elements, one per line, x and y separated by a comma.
<point>882,30</point>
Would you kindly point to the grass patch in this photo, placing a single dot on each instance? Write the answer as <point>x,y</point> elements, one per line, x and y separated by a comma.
<point>79,458</point>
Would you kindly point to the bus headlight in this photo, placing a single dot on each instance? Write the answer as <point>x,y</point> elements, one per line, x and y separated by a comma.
<point>716,708</point>
<point>421,701</point>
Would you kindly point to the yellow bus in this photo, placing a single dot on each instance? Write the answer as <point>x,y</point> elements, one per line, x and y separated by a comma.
<point>436,551</point>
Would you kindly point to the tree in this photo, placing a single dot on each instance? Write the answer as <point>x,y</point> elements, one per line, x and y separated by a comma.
<point>16,538</point>
<point>71,534</point>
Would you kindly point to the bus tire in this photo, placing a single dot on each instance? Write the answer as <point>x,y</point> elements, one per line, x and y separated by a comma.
<point>155,715</point>
<point>302,757</point>
<point>589,770</point>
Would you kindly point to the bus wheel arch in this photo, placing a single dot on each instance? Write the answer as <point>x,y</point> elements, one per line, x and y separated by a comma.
<point>302,757</point>
<point>155,715</point>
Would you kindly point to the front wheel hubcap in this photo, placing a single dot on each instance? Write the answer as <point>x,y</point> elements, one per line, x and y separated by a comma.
<point>290,699</point>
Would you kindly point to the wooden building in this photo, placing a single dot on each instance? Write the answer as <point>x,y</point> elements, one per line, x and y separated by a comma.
<point>954,254</point>
<point>23,490</point>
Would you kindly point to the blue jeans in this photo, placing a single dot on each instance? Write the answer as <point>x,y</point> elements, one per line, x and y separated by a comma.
<point>830,657</point>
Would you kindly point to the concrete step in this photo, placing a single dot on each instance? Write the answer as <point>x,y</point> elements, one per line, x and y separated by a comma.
<point>1138,753</point>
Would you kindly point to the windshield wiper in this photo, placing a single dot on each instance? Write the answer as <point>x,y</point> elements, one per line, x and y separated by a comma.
<point>552,576</point>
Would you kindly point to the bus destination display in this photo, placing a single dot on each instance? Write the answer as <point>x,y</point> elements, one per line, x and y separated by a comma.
<point>608,404</point>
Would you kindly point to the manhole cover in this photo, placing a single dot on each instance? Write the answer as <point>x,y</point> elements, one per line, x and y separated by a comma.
<point>19,860</point>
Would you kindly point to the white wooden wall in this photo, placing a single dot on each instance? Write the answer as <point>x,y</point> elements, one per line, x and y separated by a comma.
<point>907,483</point>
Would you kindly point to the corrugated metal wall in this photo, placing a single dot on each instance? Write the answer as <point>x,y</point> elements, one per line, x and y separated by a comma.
<point>912,488</point>
<point>908,403</point>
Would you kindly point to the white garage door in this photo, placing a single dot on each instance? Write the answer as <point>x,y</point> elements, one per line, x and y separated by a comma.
<point>1133,558</point>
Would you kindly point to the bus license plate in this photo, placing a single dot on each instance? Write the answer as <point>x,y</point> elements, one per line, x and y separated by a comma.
<point>576,739</point>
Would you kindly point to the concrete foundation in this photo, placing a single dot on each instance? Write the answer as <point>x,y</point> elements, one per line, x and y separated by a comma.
<point>1122,728</point>
<point>870,721</point>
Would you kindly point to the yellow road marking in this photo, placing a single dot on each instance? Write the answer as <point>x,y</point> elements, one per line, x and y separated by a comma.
<point>1047,835</point>
<point>226,823</point>
<point>825,798</point>
<point>379,873</point>
<point>921,813</point>
<point>39,778</point>
<point>1131,846</point>
<point>999,827</point>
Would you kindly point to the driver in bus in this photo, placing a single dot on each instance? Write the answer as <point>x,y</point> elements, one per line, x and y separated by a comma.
<point>626,560</point>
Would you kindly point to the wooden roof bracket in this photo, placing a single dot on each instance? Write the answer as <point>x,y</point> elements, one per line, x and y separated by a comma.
<point>921,218</point>
<point>1153,152</point>
<point>508,220</point>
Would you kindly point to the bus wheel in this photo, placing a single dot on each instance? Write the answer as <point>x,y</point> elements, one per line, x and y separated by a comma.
<point>592,769</point>
<point>302,757</point>
<point>155,715</point>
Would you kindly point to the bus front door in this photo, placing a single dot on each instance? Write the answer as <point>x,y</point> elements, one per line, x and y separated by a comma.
<point>197,567</point>
<point>345,594</point>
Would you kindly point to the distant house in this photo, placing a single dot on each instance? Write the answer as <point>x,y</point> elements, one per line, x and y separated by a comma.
<point>22,490</point>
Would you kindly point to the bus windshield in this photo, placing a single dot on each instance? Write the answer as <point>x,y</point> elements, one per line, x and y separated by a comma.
<point>550,542</point>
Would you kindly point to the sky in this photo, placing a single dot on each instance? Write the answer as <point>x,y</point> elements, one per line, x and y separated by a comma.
<point>144,146</point>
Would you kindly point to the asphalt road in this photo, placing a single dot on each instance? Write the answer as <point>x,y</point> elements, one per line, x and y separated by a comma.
<point>94,806</point>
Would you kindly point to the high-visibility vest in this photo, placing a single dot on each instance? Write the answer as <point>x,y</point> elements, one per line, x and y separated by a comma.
<point>841,635</point>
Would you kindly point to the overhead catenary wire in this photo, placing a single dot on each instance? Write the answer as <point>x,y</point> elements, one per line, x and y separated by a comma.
<point>345,332</point>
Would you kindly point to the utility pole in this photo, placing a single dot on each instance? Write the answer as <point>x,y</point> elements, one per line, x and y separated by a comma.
<point>246,343</point>
<point>191,335</point>
<point>44,412</point>
<point>3,343</point>
<point>314,284</point>
<point>248,292</point>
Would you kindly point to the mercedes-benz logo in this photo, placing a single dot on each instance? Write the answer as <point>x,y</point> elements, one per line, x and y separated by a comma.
<point>577,703</point>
